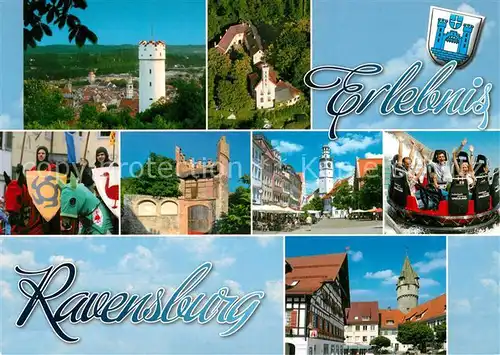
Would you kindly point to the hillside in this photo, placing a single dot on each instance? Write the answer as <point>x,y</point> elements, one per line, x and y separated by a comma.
<point>66,61</point>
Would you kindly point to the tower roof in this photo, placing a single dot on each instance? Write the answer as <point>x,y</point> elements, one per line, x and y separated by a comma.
<point>408,276</point>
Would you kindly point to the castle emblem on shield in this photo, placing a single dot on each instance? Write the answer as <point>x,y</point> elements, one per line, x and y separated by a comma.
<point>453,35</point>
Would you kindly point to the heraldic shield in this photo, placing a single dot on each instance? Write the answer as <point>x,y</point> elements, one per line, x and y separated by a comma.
<point>107,181</point>
<point>45,191</point>
<point>453,35</point>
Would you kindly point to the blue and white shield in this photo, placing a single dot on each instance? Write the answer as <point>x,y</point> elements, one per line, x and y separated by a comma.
<point>453,35</point>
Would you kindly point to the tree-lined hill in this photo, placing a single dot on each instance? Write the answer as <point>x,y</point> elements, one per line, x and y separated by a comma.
<point>67,61</point>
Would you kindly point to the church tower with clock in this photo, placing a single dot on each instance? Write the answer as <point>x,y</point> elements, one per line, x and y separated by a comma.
<point>325,172</point>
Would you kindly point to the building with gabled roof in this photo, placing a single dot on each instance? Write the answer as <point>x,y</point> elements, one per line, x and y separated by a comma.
<point>317,295</point>
<point>242,34</point>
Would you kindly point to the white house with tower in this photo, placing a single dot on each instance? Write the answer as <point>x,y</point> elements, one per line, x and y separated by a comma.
<point>152,56</point>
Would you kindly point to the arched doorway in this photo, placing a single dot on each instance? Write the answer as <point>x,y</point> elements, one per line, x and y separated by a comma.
<point>198,219</point>
<point>289,349</point>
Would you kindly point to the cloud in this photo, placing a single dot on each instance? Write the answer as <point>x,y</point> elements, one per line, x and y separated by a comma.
<point>141,259</point>
<point>437,260</point>
<point>393,280</point>
<point>425,282</point>
<point>224,262</point>
<point>98,248</point>
<point>355,255</point>
<point>274,291</point>
<point>265,240</point>
<point>374,156</point>
<point>350,143</point>
<point>344,166</point>
<point>25,259</point>
<point>491,285</point>
<point>461,306</point>
<point>286,147</point>
<point>361,292</point>
<point>234,286</point>
<point>5,290</point>
<point>5,121</point>
<point>384,274</point>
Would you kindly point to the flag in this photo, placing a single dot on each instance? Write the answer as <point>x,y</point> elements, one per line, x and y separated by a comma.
<point>112,138</point>
<point>72,146</point>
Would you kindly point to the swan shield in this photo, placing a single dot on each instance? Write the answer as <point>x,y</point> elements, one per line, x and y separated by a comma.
<point>107,182</point>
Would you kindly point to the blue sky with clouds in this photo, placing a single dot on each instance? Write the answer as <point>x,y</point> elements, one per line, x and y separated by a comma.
<point>394,34</point>
<point>474,295</point>
<point>136,147</point>
<point>375,263</point>
<point>177,22</point>
<point>303,150</point>
<point>11,64</point>
<point>142,265</point>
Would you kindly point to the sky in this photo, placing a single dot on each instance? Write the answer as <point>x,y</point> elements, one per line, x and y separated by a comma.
<point>376,262</point>
<point>137,146</point>
<point>474,295</point>
<point>11,64</point>
<point>486,143</point>
<point>395,38</point>
<point>177,22</point>
<point>141,265</point>
<point>303,150</point>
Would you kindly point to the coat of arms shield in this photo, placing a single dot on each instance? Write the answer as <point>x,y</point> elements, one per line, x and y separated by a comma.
<point>453,35</point>
<point>107,182</point>
<point>45,191</point>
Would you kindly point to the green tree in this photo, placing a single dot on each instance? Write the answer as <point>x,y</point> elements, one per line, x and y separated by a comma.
<point>39,15</point>
<point>156,177</point>
<point>370,194</point>
<point>343,198</point>
<point>440,331</point>
<point>44,105</point>
<point>238,219</point>
<point>380,342</point>
<point>417,334</point>
<point>316,204</point>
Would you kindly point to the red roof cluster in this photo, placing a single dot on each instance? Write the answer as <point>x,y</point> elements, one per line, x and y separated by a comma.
<point>226,40</point>
<point>362,313</point>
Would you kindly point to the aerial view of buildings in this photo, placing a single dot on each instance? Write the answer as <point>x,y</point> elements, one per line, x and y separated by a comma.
<point>172,186</point>
<point>302,183</point>
<point>255,68</point>
<point>344,296</point>
<point>107,76</point>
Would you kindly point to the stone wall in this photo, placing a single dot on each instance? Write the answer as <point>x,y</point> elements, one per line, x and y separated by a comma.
<point>145,214</point>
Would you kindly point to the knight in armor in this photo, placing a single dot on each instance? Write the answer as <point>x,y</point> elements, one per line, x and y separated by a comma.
<point>102,158</point>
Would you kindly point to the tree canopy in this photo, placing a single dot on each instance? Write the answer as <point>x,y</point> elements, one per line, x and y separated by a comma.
<point>40,15</point>
<point>316,204</point>
<point>238,219</point>
<point>370,194</point>
<point>156,177</point>
<point>380,342</point>
<point>418,334</point>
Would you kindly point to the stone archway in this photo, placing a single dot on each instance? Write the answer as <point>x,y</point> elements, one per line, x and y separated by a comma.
<point>289,349</point>
<point>198,219</point>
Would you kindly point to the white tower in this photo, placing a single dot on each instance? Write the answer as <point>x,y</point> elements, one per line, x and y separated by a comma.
<point>325,171</point>
<point>265,90</point>
<point>129,94</point>
<point>151,72</point>
<point>91,77</point>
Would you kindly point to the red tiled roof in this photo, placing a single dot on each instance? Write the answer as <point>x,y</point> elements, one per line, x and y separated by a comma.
<point>432,309</point>
<point>312,271</point>
<point>394,315</point>
<point>283,84</point>
<point>365,165</point>
<point>133,104</point>
<point>362,310</point>
<point>226,40</point>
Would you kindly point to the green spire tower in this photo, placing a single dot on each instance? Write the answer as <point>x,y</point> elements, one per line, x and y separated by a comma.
<point>407,287</point>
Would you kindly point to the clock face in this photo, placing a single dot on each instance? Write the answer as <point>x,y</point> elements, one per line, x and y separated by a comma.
<point>322,165</point>
<point>329,165</point>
